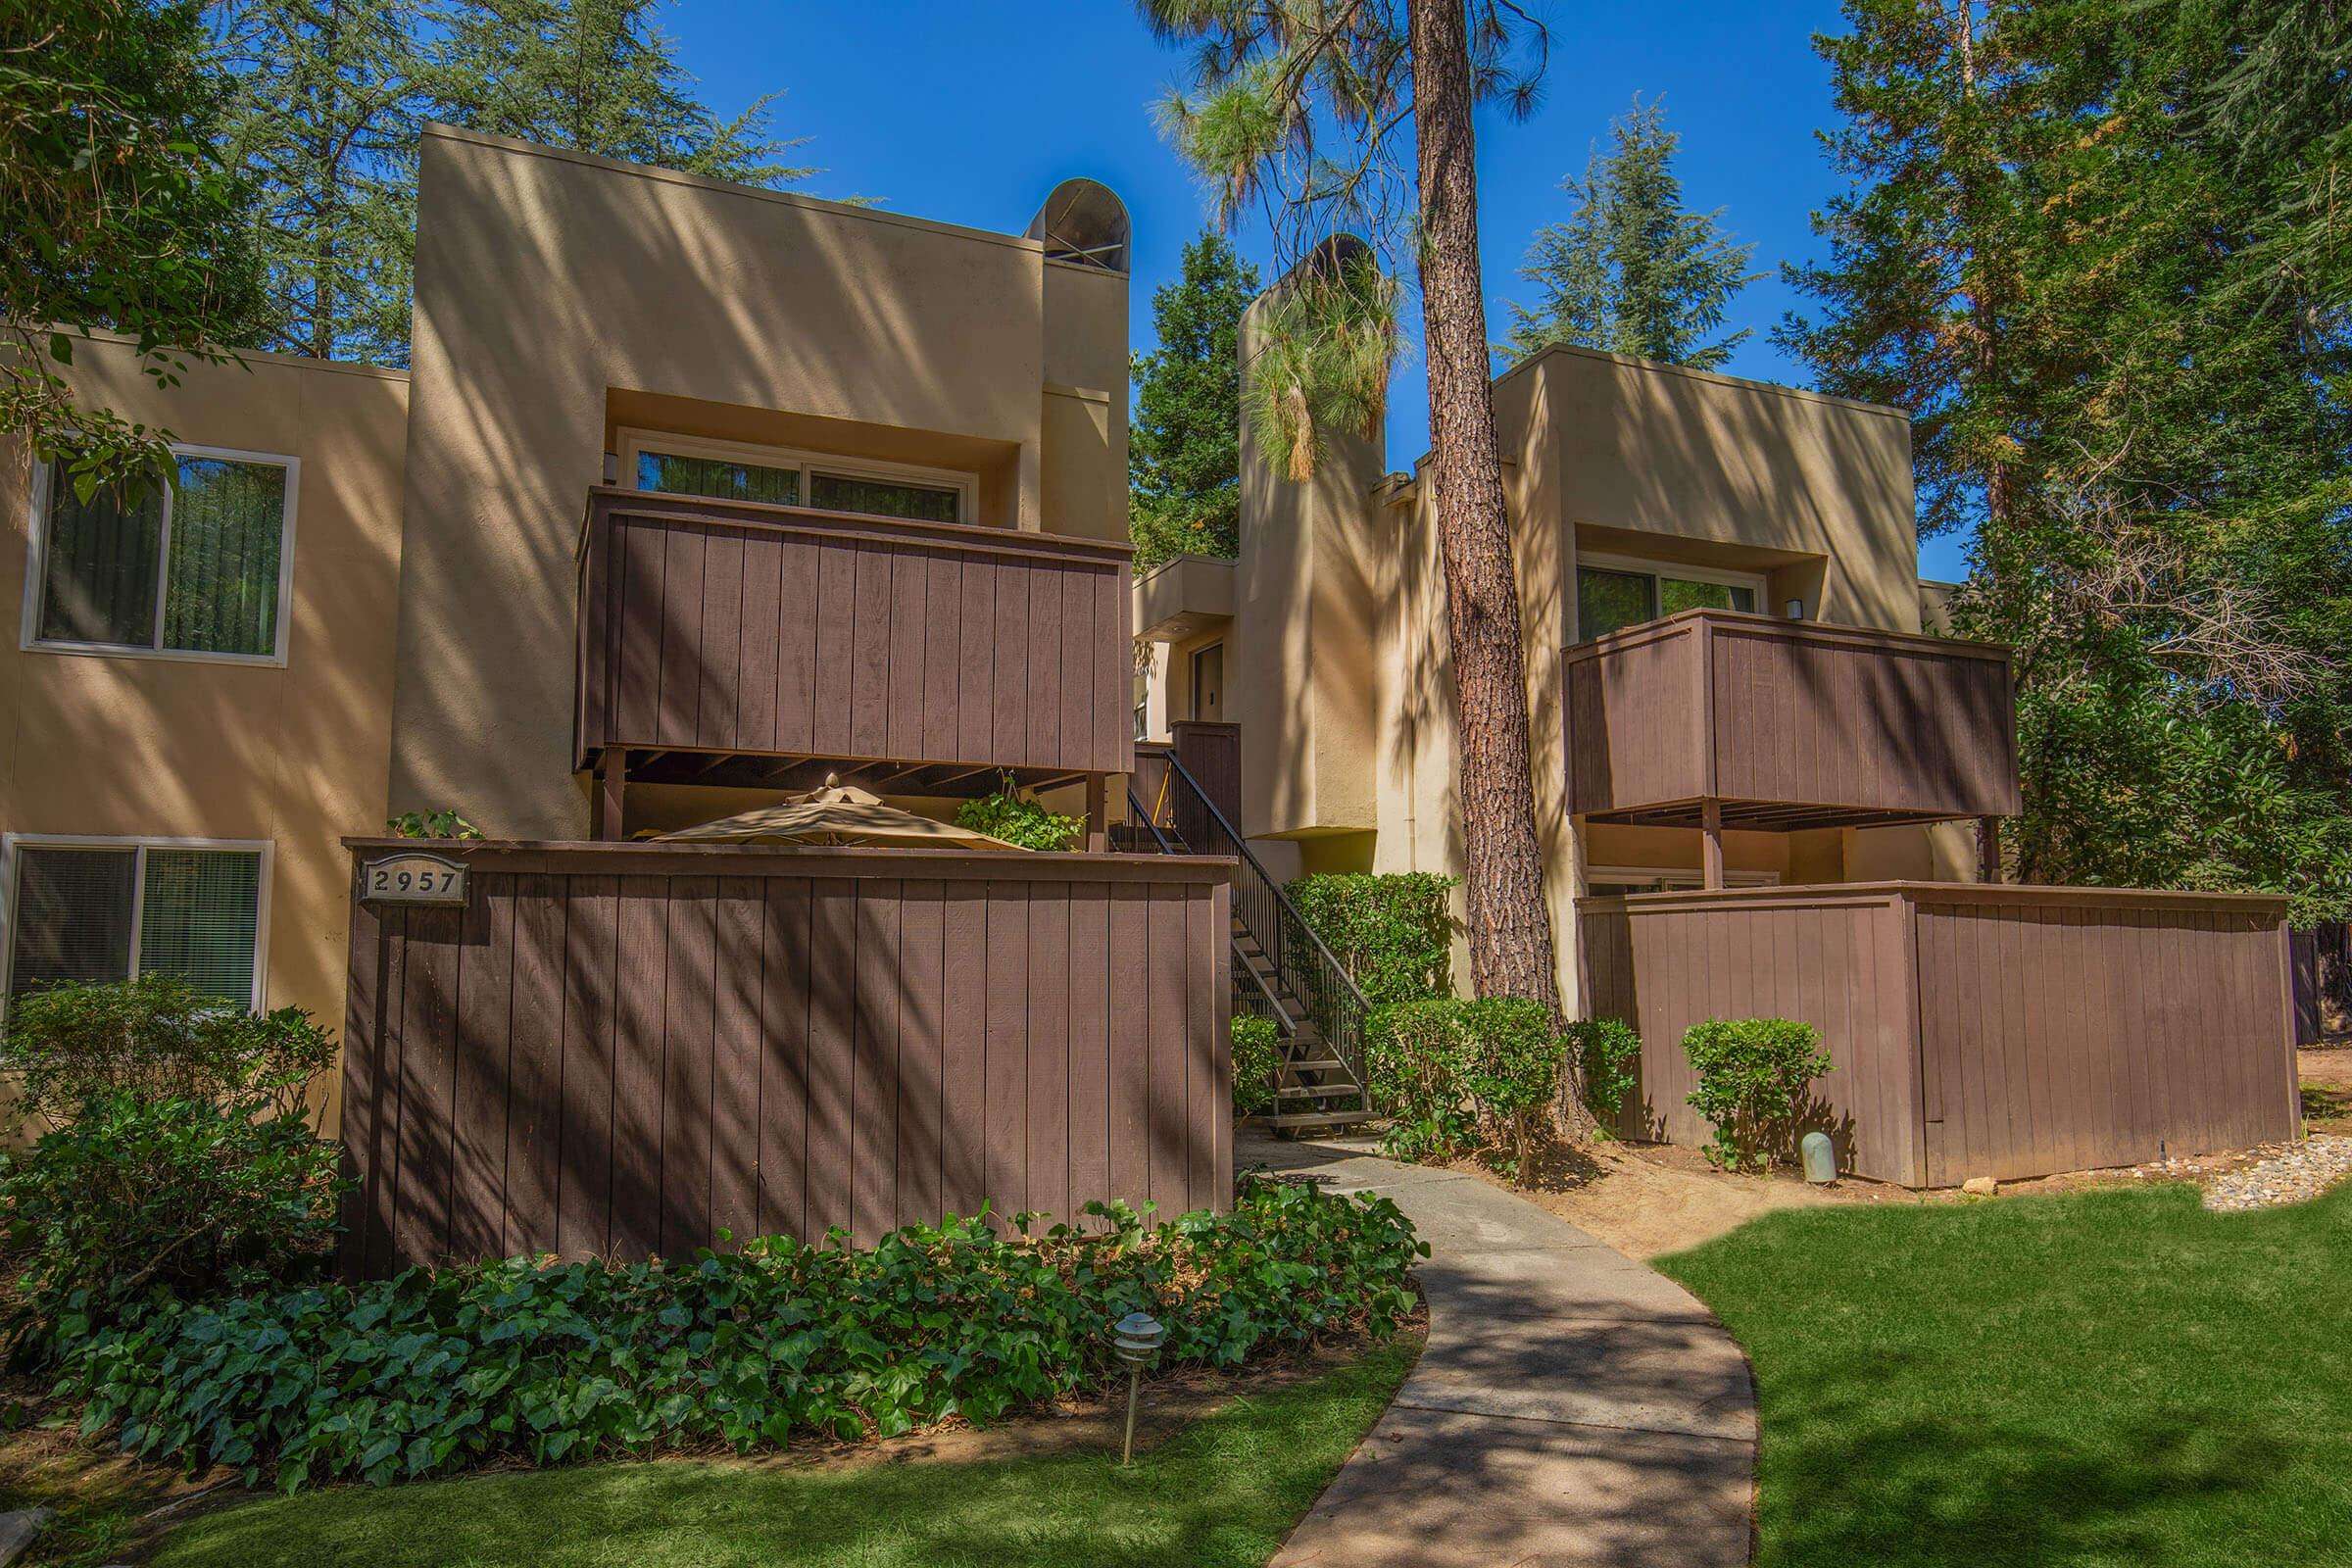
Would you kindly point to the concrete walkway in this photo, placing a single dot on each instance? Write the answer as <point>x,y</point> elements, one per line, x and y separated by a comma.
<point>1573,1407</point>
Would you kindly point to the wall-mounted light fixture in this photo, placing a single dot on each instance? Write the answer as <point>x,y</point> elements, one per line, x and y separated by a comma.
<point>612,468</point>
<point>1795,610</point>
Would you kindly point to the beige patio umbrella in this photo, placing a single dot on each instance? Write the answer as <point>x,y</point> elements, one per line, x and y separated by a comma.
<point>837,814</point>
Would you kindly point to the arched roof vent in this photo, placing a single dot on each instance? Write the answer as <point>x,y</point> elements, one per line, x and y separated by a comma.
<point>1084,223</point>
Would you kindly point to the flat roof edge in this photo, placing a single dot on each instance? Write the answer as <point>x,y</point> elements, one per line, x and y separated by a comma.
<point>1635,361</point>
<point>437,131</point>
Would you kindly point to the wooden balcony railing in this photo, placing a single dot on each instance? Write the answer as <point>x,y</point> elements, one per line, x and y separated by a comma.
<point>1788,724</point>
<point>725,630</point>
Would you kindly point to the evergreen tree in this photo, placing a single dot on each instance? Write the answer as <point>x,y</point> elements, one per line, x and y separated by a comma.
<point>598,77</point>
<point>117,216</point>
<point>331,95</point>
<point>2052,257</point>
<point>1183,456</point>
<point>1634,271</point>
<point>1357,115</point>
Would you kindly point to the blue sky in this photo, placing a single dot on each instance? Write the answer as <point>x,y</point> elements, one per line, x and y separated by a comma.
<point>971,110</point>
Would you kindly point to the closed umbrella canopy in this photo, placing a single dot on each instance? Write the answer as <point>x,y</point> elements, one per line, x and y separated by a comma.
<point>836,816</point>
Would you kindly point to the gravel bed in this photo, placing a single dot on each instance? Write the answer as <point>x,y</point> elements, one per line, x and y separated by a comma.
<point>2290,1176</point>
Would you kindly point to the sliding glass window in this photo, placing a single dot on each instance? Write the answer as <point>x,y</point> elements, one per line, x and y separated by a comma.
<point>195,567</point>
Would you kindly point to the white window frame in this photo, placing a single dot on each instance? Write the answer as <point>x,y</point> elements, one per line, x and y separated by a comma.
<point>808,464</point>
<point>138,845</point>
<point>1695,877</point>
<point>1656,570</point>
<point>28,637</point>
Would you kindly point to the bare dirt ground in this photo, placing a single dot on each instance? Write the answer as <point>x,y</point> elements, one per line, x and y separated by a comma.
<point>2326,1074</point>
<point>1646,1199</point>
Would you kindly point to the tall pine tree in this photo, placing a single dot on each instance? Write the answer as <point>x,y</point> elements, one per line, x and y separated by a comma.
<point>598,77</point>
<point>329,97</point>
<point>2054,260</point>
<point>1633,271</point>
<point>1183,456</point>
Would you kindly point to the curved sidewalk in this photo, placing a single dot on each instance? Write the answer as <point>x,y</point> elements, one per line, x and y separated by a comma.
<point>1573,1407</point>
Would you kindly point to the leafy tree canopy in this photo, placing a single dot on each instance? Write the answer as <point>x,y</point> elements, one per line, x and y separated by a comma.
<point>1633,271</point>
<point>1184,459</point>
<point>2087,254</point>
<point>120,217</point>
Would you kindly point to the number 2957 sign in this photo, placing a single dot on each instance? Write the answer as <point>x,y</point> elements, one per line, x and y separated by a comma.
<point>414,878</point>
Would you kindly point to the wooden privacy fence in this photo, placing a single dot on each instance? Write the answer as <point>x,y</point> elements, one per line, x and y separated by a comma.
<point>722,626</point>
<point>1978,1030</point>
<point>624,1049</point>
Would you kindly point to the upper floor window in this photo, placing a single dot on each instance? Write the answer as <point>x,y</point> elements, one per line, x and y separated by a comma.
<point>98,909</point>
<point>1613,595</point>
<point>199,568</point>
<point>776,476</point>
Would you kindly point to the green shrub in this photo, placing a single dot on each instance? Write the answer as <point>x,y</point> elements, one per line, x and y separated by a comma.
<point>1417,1058</point>
<point>1458,1077</point>
<point>441,824</point>
<point>1752,1073</point>
<point>1256,1058</point>
<point>137,1198</point>
<point>159,1038</point>
<point>1605,1051</point>
<point>1017,819</point>
<point>1394,934</point>
<point>545,1362</point>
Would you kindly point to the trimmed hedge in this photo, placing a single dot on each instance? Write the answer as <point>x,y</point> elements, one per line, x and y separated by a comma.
<point>1752,1076</point>
<point>1393,933</point>
<point>1606,1053</point>
<point>435,1371</point>
<point>1458,1077</point>
<point>1256,1058</point>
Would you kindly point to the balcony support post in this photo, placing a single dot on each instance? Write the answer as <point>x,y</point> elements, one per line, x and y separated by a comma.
<point>1097,813</point>
<point>1710,843</point>
<point>1989,849</point>
<point>612,777</point>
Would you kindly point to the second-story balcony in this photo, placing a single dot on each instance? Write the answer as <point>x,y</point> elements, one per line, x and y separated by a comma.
<point>728,642</point>
<point>1783,726</point>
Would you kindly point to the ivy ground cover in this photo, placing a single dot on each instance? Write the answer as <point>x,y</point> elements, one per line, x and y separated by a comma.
<point>1222,1494</point>
<point>2111,1377</point>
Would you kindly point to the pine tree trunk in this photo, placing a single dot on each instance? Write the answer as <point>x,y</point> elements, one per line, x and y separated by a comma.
<point>1510,925</point>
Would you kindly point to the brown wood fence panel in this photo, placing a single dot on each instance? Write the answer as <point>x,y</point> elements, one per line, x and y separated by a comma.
<point>1213,754</point>
<point>1978,1030</point>
<point>2089,1033</point>
<point>725,627</point>
<point>1623,747</point>
<point>627,1050</point>
<point>1835,961</point>
<point>1791,713</point>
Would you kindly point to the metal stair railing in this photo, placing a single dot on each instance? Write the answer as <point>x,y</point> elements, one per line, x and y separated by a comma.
<point>1302,963</point>
<point>1251,993</point>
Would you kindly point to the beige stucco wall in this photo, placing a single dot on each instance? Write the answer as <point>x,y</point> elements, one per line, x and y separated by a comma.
<point>1600,454</point>
<point>1307,597</point>
<point>132,746</point>
<point>557,294</point>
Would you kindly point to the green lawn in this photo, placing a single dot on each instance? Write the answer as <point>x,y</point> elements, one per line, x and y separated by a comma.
<point>2110,1377</point>
<point>1224,1492</point>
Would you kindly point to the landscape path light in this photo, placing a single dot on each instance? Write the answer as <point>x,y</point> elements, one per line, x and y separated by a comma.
<point>1137,1338</point>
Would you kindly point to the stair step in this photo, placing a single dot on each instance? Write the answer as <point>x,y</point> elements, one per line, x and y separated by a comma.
<point>1328,1065</point>
<point>1316,1091</point>
<point>1323,1118</point>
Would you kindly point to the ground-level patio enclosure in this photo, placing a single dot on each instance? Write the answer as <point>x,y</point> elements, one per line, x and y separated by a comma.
<point>625,1048</point>
<point>1977,1029</point>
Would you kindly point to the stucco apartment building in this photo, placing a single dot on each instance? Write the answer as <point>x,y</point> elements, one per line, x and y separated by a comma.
<point>1638,490</point>
<point>365,596</point>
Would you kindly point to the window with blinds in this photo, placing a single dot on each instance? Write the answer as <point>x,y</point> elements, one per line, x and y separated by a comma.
<point>727,472</point>
<point>98,912</point>
<point>195,567</point>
